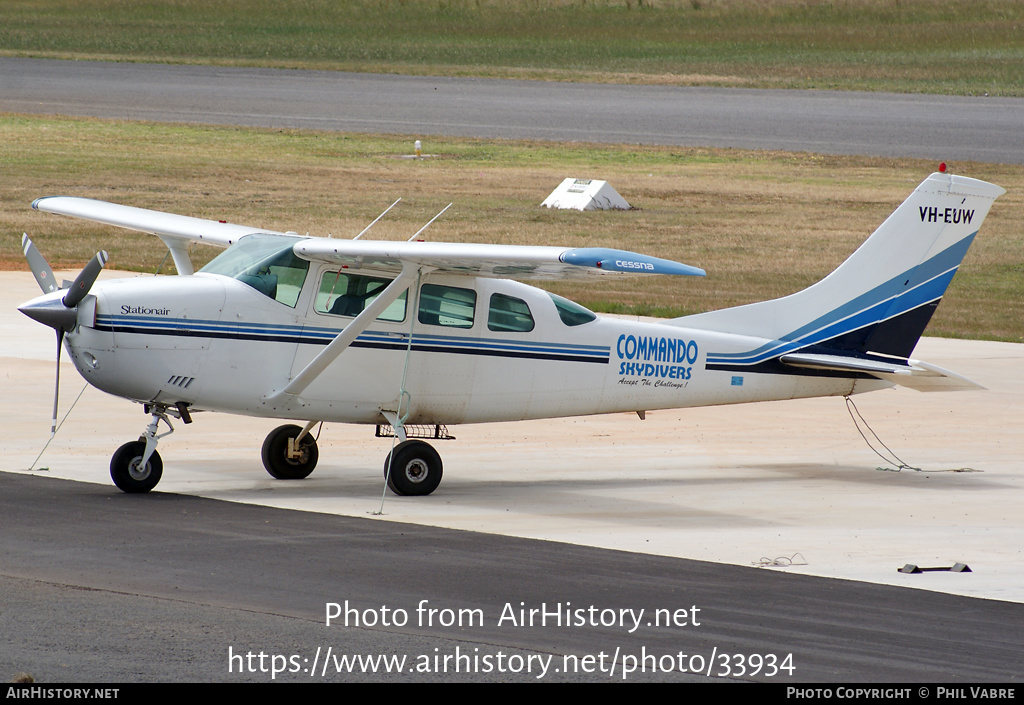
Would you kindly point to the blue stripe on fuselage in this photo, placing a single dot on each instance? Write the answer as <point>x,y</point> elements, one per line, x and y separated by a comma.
<point>192,328</point>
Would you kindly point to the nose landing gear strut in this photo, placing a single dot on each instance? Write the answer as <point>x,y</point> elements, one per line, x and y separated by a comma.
<point>136,466</point>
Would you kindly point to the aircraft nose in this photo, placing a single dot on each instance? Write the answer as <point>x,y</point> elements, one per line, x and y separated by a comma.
<point>50,310</point>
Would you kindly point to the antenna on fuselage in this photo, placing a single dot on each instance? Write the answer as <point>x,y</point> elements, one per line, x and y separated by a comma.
<point>376,219</point>
<point>429,222</point>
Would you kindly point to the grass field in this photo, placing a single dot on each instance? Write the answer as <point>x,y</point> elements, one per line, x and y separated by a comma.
<point>929,46</point>
<point>762,224</point>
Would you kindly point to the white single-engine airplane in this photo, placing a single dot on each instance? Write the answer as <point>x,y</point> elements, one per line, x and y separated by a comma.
<point>415,336</point>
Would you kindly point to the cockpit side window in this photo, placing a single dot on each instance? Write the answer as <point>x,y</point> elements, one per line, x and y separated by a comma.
<point>290,272</point>
<point>344,294</point>
<point>509,314</point>
<point>266,263</point>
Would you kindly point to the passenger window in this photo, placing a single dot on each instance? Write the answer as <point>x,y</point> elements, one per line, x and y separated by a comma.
<point>571,313</point>
<point>343,294</point>
<point>509,314</point>
<point>447,306</point>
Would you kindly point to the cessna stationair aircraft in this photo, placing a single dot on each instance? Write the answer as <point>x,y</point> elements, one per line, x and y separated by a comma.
<point>413,337</point>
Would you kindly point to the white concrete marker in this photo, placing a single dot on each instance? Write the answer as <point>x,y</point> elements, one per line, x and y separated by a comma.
<point>585,195</point>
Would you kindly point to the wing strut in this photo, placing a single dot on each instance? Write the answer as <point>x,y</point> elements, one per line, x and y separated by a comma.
<point>179,253</point>
<point>348,335</point>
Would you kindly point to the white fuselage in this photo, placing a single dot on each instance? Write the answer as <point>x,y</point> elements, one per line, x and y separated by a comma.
<point>216,343</point>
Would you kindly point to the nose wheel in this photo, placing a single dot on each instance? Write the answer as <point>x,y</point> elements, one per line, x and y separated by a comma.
<point>131,473</point>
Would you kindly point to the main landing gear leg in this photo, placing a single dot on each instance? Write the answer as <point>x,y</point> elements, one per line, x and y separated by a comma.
<point>136,466</point>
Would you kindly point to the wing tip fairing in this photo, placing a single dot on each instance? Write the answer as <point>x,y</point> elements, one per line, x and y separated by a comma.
<point>611,260</point>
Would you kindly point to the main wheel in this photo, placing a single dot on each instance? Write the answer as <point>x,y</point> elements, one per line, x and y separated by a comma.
<point>127,472</point>
<point>275,454</point>
<point>413,468</point>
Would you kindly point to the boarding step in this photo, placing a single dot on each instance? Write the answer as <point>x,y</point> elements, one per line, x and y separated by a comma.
<point>437,432</point>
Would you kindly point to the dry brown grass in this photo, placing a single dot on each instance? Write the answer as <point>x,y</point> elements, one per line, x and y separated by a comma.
<point>762,224</point>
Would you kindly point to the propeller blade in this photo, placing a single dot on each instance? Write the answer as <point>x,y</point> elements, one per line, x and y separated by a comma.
<point>56,390</point>
<point>37,263</point>
<point>85,279</point>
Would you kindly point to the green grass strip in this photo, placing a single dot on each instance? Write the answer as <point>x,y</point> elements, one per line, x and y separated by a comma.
<point>911,46</point>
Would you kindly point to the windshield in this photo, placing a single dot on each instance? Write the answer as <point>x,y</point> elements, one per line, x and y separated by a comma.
<point>266,263</point>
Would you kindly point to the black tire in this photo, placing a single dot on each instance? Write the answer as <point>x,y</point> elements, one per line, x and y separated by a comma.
<point>415,471</point>
<point>276,460</point>
<point>125,471</point>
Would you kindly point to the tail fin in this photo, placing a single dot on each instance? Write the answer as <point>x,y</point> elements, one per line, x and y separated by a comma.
<point>876,305</point>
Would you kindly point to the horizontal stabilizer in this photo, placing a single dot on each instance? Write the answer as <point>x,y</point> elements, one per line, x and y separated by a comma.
<point>915,374</point>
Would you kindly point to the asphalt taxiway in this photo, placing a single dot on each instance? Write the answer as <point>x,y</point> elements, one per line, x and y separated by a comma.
<point>961,128</point>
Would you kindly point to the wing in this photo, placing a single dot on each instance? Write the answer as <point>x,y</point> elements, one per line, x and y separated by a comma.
<point>500,261</point>
<point>177,231</point>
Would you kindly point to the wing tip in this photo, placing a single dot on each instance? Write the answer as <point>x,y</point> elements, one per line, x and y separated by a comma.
<point>623,261</point>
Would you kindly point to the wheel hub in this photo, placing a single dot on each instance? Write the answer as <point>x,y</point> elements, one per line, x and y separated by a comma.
<point>300,458</point>
<point>136,472</point>
<point>417,470</point>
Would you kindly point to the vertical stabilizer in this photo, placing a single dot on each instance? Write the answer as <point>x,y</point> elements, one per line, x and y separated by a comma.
<point>877,302</point>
